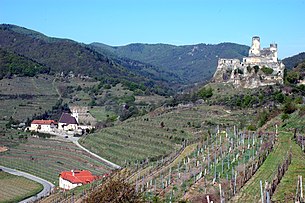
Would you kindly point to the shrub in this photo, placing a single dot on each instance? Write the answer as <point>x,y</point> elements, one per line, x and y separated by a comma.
<point>289,107</point>
<point>251,128</point>
<point>280,97</point>
<point>205,93</point>
<point>267,70</point>
<point>263,118</point>
<point>115,189</point>
<point>284,117</point>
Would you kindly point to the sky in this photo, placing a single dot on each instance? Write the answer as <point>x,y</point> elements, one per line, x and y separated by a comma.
<point>177,22</point>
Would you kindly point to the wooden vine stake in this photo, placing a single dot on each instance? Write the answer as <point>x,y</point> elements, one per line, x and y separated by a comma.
<point>262,194</point>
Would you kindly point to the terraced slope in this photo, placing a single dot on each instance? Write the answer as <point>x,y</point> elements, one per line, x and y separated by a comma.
<point>22,97</point>
<point>159,134</point>
<point>251,191</point>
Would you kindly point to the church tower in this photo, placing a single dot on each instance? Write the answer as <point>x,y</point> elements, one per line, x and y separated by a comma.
<point>255,49</point>
<point>75,114</point>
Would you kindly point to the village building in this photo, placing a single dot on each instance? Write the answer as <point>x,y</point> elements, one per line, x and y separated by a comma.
<point>71,179</point>
<point>43,125</point>
<point>67,122</point>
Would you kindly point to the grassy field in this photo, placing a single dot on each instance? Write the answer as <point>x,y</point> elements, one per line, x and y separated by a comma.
<point>155,136</point>
<point>101,114</point>
<point>46,158</point>
<point>15,188</point>
<point>153,99</point>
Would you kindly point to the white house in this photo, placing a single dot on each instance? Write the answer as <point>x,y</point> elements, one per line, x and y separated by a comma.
<point>43,125</point>
<point>71,179</point>
<point>67,122</point>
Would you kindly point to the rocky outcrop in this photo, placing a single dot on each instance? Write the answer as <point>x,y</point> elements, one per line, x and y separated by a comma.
<point>260,68</point>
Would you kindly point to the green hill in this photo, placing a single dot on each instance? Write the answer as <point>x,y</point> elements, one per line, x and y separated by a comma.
<point>191,63</point>
<point>63,55</point>
<point>293,61</point>
<point>14,64</point>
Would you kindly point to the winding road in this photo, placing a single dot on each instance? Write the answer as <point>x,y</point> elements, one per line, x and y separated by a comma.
<point>97,156</point>
<point>47,186</point>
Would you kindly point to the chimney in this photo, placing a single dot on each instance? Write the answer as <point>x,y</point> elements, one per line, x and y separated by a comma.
<point>72,172</point>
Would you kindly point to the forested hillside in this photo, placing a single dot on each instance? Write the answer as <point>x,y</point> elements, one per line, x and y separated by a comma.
<point>293,61</point>
<point>191,63</point>
<point>65,56</point>
<point>14,64</point>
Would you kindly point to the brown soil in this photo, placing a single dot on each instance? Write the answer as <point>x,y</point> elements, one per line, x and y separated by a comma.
<point>3,149</point>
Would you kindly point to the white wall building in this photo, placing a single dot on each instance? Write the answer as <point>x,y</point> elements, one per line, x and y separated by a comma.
<point>71,179</point>
<point>43,125</point>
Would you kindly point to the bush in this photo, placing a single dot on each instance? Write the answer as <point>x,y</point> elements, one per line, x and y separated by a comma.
<point>251,128</point>
<point>267,70</point>
<point>280,97</point>
<point>292,77</point>
<point>284,117</point>
<point>289,107</point>
<point>263,118</point>
<point>205,93</point>
<point>115,189</point>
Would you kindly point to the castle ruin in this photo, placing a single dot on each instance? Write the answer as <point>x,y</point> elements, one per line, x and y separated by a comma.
<point>260,68</point>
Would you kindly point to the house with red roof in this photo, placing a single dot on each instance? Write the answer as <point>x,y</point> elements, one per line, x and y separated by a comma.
<point>43,125</point>
<point>71,179</point>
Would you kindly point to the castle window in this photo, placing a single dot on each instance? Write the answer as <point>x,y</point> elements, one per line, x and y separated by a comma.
<point>231,61</point>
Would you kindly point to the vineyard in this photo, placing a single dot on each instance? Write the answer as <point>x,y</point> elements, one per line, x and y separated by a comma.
<point>16,188</point>
<point>218,168</point>
<point>153,137</point>
<point>24,97</point>
<point>46,158</point>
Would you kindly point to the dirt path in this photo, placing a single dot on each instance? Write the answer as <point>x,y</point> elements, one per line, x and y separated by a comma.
<point>56,89</point>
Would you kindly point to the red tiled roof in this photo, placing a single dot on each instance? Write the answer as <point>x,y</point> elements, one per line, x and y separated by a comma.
<point>78,176</point>
<point>43,122</point>
<point>67,118</point>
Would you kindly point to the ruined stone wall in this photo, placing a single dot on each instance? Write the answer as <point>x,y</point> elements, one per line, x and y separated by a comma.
<point>251,72</point>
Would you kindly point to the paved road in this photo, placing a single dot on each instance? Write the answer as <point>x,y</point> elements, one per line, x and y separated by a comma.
<point>47,186</point>
<point>97,156</point>
<point>70,138</point>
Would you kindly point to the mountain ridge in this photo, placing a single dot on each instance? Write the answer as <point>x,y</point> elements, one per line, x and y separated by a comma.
<point>192,63</point>
<point>65,55</point>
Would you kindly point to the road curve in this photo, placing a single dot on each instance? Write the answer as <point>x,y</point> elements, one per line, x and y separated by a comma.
<point>97,156</point>
<point>67,137</point>
<point>47,186</point>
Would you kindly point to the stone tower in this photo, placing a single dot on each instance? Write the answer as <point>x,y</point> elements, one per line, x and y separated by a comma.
<point>273,49</point>
<point>256,47</point>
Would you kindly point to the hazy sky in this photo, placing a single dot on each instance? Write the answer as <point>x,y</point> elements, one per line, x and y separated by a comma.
<point>120,22</point>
